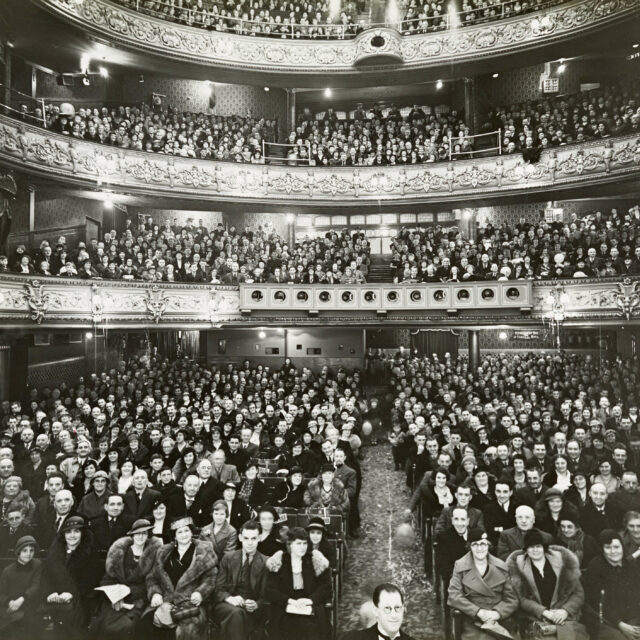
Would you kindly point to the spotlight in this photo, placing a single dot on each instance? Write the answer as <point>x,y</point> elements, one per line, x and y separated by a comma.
<point>104,72</point>
<point>88,335</point>
<point>328,93</point>
<point>502,335</point>
<point>262,335</point>
<point>85,80</point>
<point>439,84</point>
<point>495,75</point>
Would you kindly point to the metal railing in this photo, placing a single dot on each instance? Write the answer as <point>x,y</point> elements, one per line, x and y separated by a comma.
<point>214,21</point>
<point>27,108</point>
<point>475,152</point>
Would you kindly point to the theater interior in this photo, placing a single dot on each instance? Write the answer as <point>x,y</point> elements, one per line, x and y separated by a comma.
<point>319,318</point>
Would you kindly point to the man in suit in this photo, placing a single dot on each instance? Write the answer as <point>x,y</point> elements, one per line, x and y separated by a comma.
<point>513,539</point>
<point>189,503</point>
<point>139,499</point>
<point>45,511</point>
<point>237,456</point>
<point>597,515</point>
<point>501,514</point>
<point>534,490</point>
<point>347,476</point>
<point>246,444</point>
<point>112,524</point>
<point>12,530</point>
<point>463,498</point>
<point>577,461</point>
<point>240,585</point>
<point>49,527</point>
<point>388,612</point>
<point>210,488</point>
<point>451,544</point>
<point>223,472</point>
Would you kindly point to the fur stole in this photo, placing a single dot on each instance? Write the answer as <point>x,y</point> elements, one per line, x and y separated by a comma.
<point>319,562</point>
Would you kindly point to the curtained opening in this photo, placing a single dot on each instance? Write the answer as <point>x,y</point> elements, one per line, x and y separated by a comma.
<point>427,342</point>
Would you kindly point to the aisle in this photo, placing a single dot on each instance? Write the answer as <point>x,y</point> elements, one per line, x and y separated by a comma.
<point>379,557</point>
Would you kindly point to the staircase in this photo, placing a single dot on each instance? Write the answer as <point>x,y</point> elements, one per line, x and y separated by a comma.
<point>379,269</point>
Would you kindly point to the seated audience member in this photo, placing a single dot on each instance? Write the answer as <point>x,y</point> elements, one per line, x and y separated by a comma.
<point>298,588</point>
<point>160,521</point>
<point>388,614</point>
<point>239,511</point>
<point>627,497</point>
<point>182,579</point>
<point>252,489</point>
<point>19,592</point>
<point>222,536</point>
<point>512,539</point>
<point>70,572</point>
<point>15,496</point>
<point>578,493</point>
<point>572,537</point>
<point>52,521</point>
<point>270,539</point>
<point>327,491</point>
<point>138,500</point>
<point>597,515</point>
<point>533,491</point>
<point>550,509</point>
<point>435,495</point>
<point>501,514</point>
<point>611,585</point>
<point>463,500</point>
<point>241,606</point>
<point>112,524</point>
<point>92,504</point>
<point>291,496</point>
<point>318,541</point>
<point>631,534</point>
<point>12,530</point>
<point>481,589</point>
<point>188,502</point>
<point>451,544</point>
<point>546,579</point>
<point>130,560</point>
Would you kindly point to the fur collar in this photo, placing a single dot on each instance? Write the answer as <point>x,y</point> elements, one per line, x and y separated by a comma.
<point>319,562</point>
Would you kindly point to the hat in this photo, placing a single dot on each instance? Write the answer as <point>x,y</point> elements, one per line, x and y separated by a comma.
<point>73,522</point>
<point>266,508</point>
<point>181,522</point>
<point>467,458</point>
<point>23,542</point>
<point>327,466</point>
<point>316,523</point>
<point>476,535</point>
<point>100,474</point>
<point>133,436</point>
<point>532,538</point>
<point>33,450</point>
<point>231,485</point>
<point>140,526</point>
<point>296,469</point>
<point>608,535</point>
<point>552,493</point>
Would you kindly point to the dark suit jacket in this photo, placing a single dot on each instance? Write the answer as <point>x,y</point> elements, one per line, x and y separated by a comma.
<point>143,509</point>
<point>593,522</point>
<point>370,634</point>
<point>526,496</point>
<point>104,536</point>
<point>240,513</point>
<point>513,540</point>
<point>496,520</point>
<point>449,547</point>
<point>177,507</point>
<point>210,492</point>
<point>229,576</point>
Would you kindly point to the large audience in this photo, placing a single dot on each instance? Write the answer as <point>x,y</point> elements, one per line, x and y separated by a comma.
<point>526,468</point>
<point>147,483</point>
<point>168,252</point>
<point>597,245</point>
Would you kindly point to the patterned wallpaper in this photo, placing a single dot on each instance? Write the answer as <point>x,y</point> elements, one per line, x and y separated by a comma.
<point>66,212</point>
<point>210,218</point>
<point>276,221</point>
<point>50,373</point>
<point>99,91</point>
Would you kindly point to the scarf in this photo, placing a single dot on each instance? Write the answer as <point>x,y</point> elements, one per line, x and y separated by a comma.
<point>575,544</point>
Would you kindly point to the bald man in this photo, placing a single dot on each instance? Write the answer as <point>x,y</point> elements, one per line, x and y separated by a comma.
<point>513,539</point>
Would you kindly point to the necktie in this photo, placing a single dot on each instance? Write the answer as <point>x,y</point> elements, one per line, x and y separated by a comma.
<point>382,636</point>
<point>112,522</point>
<point>58,523</point>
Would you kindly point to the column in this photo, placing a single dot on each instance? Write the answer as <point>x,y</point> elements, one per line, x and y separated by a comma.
<point>7,75</point>
<point>291,111</point>
<point>470,103</point>
<point>474,349</point>
<point>291,230</point>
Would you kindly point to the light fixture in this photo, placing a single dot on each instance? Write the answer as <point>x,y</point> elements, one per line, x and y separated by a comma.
<point>266,89</point>
<point>104,72</point>
<point>328,93</point>
<point>85,80</point>
<point>262,335</point>
<point>439,84</point>
<point>11,45</point>
<point>108,203</point>
<point>562,67</point>
<point>495,75</point>
<point>635,46</point>
<point>88,335</point>
<point>141,78</point>
<point>502,335</point>
<point>85,60</point>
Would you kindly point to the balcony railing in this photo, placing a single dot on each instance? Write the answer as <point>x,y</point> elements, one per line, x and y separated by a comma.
<point>98,167</point>
<point>31,301</point>
<point>298,56</point>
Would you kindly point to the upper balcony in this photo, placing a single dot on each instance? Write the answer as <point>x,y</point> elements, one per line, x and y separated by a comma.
<point>378,54</point>
<point>586,169</point>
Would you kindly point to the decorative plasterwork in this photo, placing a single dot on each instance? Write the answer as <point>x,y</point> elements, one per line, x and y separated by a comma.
<point>92,165</point>
<point>214,48</point>
<point>47,301</point>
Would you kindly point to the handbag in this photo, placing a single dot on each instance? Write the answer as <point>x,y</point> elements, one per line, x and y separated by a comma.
<point>184,612</point>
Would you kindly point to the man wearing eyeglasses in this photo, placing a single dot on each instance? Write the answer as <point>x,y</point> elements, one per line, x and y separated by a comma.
<point>388,609</point>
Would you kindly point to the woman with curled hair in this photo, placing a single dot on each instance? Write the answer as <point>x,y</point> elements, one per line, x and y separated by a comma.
<point>481,589</point>
<point>559,477</point>
<point>546,579</point>
<point>298,587</point>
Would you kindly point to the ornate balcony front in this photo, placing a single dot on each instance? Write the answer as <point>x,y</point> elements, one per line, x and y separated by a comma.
<point>372,53</point>
<point>29,302</point>
<point>74,162</point>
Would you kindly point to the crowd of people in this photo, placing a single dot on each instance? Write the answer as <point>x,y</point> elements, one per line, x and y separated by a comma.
<point>133,504</point>
<point>287,19</point>
<point>596,245</point>
<point>527,469</point>
<point>168,252</point>
<point>539,124</point>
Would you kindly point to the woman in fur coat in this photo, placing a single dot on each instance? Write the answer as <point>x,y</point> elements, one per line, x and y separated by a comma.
<point>327,491</point>
<point>547,581</point>
<point>298,580</point>
<point>183,577</point>
<point>129,561</point>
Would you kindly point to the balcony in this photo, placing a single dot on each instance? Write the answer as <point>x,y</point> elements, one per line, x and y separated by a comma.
<point>143,177</point>
<point>566,29</point>
<point>28,302</point>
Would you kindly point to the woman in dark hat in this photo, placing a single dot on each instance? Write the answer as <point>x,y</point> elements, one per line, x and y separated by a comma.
<point>270,542</point>
<point>318,541</point>
<point>550,509</point>
<point>547,581</point>
<point>571,536</point>
<point>129,561</point>
<point>19,590</point>
<point>298,588</point>
<point>578,493</point>
<point>481,589</point>
<point>92,504</point>
<point>179,584</point>
<point>290,494</point>
<point>252,489</point>
<point>186,465</point>
<point>70,572</point>
<point>161,525</point>
<point>611,587</point>
<point>327,491</point>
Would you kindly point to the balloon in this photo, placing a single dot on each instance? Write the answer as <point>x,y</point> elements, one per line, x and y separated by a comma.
<point>367,428</point>
<point>67,109</point>
<point>404,534</point>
